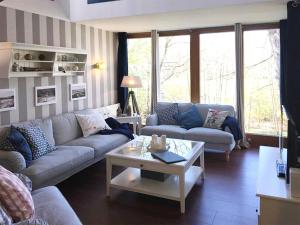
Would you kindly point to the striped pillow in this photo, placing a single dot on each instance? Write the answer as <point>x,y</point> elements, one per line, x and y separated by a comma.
<point>15,197</point>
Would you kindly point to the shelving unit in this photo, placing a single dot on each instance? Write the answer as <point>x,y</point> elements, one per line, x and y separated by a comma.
<point>27,60</point>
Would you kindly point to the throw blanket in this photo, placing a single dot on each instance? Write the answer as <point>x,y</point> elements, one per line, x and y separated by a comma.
<point>233,125</point>
<point>117,128</point>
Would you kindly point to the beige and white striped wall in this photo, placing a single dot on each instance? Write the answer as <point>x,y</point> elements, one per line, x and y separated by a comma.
<point>25,27</point>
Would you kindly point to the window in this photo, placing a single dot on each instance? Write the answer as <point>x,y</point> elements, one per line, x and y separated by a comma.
<point>139,64</point>
<point>217,68</point>
<point>174,56</point>
<point>262,73</point>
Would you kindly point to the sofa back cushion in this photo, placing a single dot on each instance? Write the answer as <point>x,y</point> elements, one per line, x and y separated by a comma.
<point>204,108</point>
<point>184,107</point>
<point>65,128</point>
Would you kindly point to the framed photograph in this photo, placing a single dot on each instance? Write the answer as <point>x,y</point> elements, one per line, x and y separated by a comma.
<point>45,95</point>
<point>77,91</point>
<point>7,99</point>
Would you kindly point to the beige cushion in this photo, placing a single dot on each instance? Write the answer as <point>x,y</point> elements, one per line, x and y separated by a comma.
<point>91,123</point>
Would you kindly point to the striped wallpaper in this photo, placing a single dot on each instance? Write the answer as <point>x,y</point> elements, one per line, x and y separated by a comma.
<point>24,27</point>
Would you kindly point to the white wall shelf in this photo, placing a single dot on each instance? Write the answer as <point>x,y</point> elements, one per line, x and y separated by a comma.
<point>28,60</point>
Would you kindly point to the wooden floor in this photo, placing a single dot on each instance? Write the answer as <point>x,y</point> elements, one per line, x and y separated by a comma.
<point>227,197</point>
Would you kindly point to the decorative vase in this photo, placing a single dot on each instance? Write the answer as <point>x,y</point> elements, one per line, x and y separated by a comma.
<point>28,57</point>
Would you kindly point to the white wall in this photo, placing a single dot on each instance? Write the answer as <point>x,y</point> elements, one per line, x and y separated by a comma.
<point>81,11</point>
<point>58,9</point>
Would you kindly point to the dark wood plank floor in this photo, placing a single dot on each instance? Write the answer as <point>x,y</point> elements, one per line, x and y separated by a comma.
<point>227,197</point>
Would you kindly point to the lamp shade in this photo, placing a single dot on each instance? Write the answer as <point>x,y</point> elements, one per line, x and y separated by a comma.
<point>131,82</point>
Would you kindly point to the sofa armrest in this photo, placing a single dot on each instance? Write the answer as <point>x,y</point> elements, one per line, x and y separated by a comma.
<point>152,120</point>
<point>12,161</point>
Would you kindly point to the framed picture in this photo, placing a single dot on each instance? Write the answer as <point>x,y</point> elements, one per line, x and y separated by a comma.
<point>7,99</point>
<point>77,91</point>
<point>45,95</point>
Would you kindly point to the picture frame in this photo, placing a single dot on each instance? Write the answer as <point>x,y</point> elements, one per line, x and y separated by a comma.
<point>7,100</point>
<point>77,91</point>
<point>45,95</point>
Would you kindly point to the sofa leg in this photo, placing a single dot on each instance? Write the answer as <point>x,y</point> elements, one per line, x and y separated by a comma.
<point>227,154</point>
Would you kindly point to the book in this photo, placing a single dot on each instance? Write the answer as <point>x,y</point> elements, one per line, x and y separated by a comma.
<point>168,157</point>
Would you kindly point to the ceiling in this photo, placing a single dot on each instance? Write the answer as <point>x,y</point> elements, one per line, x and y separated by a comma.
<point>209,17</point>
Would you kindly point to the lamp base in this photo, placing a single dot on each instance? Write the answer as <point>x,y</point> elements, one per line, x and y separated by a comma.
<point>135,107</point>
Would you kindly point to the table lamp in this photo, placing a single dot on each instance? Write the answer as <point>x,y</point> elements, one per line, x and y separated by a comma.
<point>131,82</point>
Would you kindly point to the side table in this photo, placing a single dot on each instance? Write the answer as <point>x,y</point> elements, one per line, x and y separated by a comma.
<point>136,121</point>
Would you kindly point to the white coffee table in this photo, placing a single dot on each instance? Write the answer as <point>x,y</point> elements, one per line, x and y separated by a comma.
<point>135,156</point>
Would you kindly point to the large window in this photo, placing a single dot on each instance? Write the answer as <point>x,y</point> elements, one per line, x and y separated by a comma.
<point>174,55</point>
<point>217,68</point>
<point>139,64</point>
<point>262,71</point>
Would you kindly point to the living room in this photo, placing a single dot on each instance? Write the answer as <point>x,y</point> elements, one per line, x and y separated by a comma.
<point>149,112</point>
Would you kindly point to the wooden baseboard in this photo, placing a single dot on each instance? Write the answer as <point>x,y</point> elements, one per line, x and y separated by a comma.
<point>257,140</point>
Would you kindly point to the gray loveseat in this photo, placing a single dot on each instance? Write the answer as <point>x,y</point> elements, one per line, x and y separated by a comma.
<point>73,154</point>
<point>215,140</point>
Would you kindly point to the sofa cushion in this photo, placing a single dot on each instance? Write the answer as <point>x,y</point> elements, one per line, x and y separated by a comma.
<point>44,124</point>
<point>183,107</point>
<point>37,141</point>
<point>172,131</point>
<point>92,123</point>
<point>65,128</point>
<point>100,143</point>
<point>203,109</point>
<point>4,142</point>
<point>20,144</point>
<point>56,163</point>
<point>166,113</point>
<point>215,118</point>
<point>15,197</point>
<point>209,135</point>
<point>51,205</point>
<point>190,118</point>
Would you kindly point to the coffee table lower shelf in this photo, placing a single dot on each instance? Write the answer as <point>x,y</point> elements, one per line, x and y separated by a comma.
<point>131,180</point>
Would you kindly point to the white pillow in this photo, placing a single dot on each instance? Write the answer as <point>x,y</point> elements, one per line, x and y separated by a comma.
<point>215,118</point>
<point>91,123</point>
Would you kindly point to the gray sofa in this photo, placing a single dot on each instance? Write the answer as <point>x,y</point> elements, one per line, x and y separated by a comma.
<point>51,206</point>
<point>73,154</point>
<point>215,140</point>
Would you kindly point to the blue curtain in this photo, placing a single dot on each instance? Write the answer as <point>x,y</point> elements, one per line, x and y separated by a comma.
<point>122,67</point>
<point>283,61</point>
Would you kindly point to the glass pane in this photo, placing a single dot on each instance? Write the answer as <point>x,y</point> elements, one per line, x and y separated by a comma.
<point>139,64</point>
<point>217,68</point>
<point>262,72</point>
<point>174,55</point>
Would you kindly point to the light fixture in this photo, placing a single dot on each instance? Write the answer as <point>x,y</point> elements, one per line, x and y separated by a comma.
<point>131,82</point>
<point>99,65</point>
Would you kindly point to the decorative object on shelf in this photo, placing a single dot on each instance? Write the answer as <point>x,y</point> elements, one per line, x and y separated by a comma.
<point>158,143</point>
<point>15,67</point>
<point>42,57</point>
<point>45,95</point>
<point>77,91</point>
<point>75,59</point>
<point>75,68</point>
<point>64,58</point>
<point>17,56</point>
<point>119,111</point>
<point>61,69</point>
<point>28,57</point>
<point>7,99</point>
<point>132,82</point>
<point>40,61</point>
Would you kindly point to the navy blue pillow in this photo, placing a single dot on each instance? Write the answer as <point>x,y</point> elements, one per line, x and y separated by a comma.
<point>20,144</point>
<point>190,119</point>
